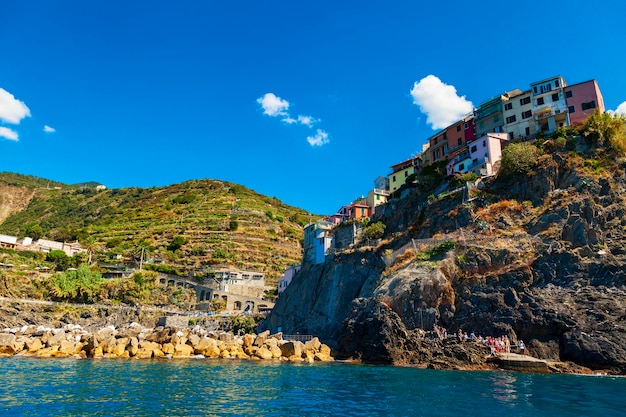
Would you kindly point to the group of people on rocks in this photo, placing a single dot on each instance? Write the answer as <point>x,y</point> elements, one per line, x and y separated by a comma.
<point>500,344</point>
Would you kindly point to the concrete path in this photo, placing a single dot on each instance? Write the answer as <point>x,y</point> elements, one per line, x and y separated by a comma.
<point>519,362</point>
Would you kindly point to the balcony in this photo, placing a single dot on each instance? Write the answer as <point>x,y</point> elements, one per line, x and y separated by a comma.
<point>548,112</point>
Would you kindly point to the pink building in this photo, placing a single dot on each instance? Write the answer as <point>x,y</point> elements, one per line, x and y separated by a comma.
<point>485,152</point>
<point>582,100</point>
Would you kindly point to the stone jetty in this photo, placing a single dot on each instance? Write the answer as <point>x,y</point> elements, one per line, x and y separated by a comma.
<point>137,342</point>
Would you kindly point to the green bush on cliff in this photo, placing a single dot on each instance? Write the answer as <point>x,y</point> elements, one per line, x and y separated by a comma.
<point>518,159</point>
<point>374,231</point>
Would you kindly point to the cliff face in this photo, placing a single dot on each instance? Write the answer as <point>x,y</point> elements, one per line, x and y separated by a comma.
<point>540,258</point>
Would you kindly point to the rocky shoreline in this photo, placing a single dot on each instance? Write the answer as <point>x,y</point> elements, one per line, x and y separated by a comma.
<point>137,342</point>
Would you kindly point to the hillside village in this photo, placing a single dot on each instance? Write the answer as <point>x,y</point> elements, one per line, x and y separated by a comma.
<point>472,144</point>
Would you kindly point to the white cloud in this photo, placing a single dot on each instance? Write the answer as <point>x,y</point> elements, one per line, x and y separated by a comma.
<point>49,129</point>
<point>621,109</point>
<point>273,106</point>
<point>289,120</point>
<point>7,133</point>
<point>439,102</point>
<point>320,138</point>
<point>307,120</point>
<point>12,110</point>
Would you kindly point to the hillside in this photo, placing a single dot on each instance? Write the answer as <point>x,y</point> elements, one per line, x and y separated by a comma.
<point>189,227</point>
<point>537,255</point>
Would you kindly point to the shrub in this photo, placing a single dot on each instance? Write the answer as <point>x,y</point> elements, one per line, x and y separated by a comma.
<point>600,128</point>
<point>176,243</point>
<point>374,231</point>
<point>518,159</point>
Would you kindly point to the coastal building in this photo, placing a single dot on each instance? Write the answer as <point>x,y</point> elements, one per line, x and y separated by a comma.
<point>318,240</point>
<point>485,152</point>
<point>549,105</point>
<point>345,235</point>
<point>488,116</point>
<point>9,242</point>
<point>582,100</point>
<point>356,210</point>
<point>287,277</point>
<point>401,171</point>
<point>379,194</point>
<point>518,115</point>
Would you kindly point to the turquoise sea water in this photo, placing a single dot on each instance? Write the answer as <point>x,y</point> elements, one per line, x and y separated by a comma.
<point>69,387</point>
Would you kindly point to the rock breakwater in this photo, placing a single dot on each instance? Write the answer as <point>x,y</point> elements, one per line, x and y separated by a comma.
<point>136,342</point>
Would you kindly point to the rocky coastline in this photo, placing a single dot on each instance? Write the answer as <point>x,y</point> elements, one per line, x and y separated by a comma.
<point>137,342</point>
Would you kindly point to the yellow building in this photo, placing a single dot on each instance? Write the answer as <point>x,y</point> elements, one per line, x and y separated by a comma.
<point>401,171</point>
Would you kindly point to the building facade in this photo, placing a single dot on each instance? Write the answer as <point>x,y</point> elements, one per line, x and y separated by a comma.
<point>519,122</point>
<point>582,100</point>
<point>549,105</point>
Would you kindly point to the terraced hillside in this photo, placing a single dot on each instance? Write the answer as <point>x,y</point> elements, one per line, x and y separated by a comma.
<point>188,227</point>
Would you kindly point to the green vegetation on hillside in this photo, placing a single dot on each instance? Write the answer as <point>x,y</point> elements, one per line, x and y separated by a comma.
<point>186,227</point>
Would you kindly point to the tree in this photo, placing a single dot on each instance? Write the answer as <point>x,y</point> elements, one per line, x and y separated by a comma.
<point>176,243</point>
<point>374,231</point>
<point>600,128</point>
<point>518,159</point>
<point>59,259</point>
<point>34,231</point>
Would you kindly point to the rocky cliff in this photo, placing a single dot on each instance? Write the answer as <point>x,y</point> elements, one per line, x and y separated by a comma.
<point>540,257</point>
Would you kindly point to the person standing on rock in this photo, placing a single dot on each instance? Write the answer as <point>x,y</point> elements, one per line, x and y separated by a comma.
<point>521,347</point>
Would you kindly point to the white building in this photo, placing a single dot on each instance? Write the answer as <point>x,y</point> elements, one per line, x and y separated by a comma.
<point>285,280</point>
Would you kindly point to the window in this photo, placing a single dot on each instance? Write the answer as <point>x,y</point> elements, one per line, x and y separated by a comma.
<point>556,83</point>
<point>473,149</point>
<point>445,136</point>
<point>393,179</point>
<point>508,106</point>
<point>569,94</point>
<point>511,119</point>
<point>525,100</point>
<point>540,101</point>
<point>436,139</point>
<point>465,126</point>
<point>496,118</point>
<point>436,155</point>
<point>458,128</point>
<point>535,89</point>
<point>571,109</point>
<point>461,167</point>
<point>555,97</point>
<point>527,114</point>
<point>406,174</point>
<point>589,105</point>
<point>459,142</point>
<point>527,131</point>
<point>484,143</point>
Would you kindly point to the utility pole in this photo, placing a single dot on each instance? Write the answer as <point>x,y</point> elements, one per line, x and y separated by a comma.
<point>141,259</point>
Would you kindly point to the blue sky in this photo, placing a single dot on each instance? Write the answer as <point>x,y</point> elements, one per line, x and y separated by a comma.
<point>304,101</point>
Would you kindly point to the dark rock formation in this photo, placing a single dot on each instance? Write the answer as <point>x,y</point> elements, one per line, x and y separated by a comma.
<point>560,287</point>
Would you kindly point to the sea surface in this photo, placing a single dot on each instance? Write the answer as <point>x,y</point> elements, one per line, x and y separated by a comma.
<point>71,387</point>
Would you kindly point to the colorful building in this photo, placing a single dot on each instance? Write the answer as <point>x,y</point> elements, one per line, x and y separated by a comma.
<point>379,194</point>
<point>582,100</point>
<point>400,172</point>
<point>285,280</point>
<point>549,106</point>
<point>485,152</point>
<point>318,239</point>
<point>518,116</point>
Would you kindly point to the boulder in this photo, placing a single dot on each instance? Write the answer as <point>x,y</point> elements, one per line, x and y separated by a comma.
<point>261,338</point>
<point>183,351</point>
<point>289,349</point>
<point>33,344</point>
<point>9,344</point>
<point>264,353</point>
<point>248,339</point>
